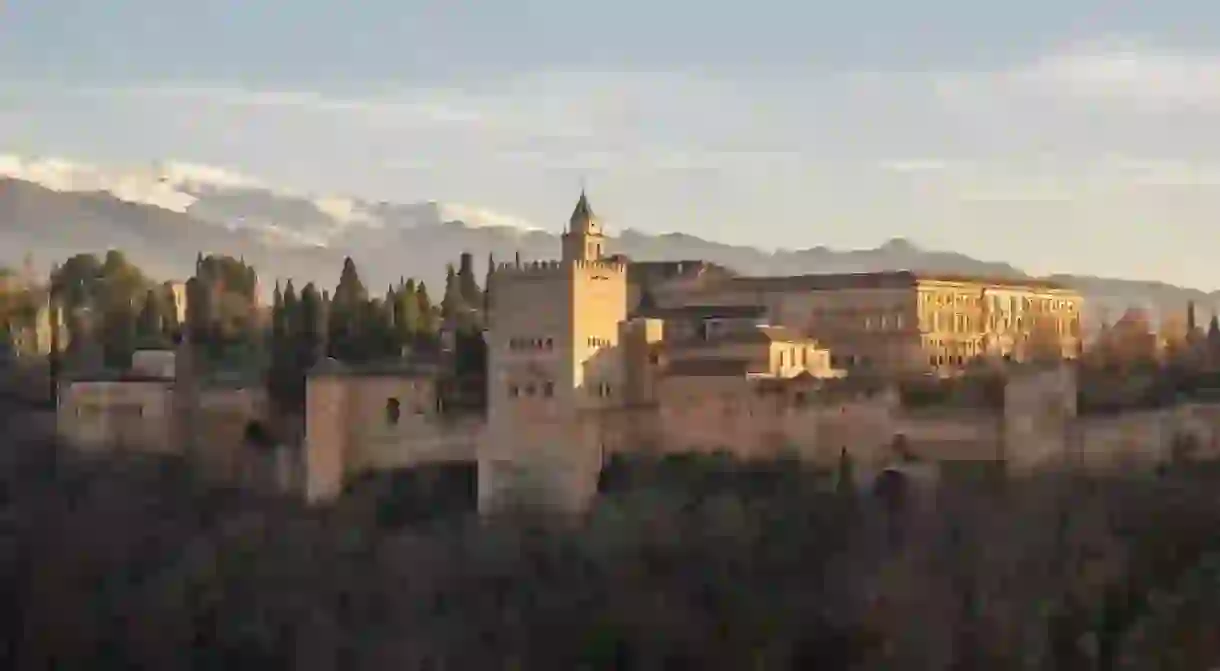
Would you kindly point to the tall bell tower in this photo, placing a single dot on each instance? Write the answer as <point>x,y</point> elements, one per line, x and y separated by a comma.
<point>584,240</point>
<point>554,371</point>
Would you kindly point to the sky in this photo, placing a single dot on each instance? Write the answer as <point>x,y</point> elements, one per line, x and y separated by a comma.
<point>1059,135</point>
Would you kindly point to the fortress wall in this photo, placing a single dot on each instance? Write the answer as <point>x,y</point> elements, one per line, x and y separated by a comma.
<point>420,441</point>
<point>327,434</point>
<point>221,428</point>
<point>952,434</point>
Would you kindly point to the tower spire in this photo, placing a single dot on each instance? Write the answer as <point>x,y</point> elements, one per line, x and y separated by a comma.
<point>583,240</point>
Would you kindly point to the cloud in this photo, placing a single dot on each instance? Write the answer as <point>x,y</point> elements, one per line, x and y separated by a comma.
<point>1018,196</point>
<point>1089,125</point>
<point>916,165</point>
<point>1128,72</point>
<point>424,106</point>
<point>1120,75</point>
<point>1159,172</point>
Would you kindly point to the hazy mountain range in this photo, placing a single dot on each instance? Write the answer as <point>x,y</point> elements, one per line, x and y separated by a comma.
<point>163,214</point>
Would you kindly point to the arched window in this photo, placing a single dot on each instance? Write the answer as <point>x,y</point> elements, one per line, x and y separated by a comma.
<point>393,411</point>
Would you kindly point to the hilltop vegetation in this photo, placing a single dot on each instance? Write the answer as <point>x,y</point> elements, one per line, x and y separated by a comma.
<point>694,564</point>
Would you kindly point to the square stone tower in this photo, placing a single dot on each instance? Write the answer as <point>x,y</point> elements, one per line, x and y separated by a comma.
<point>555,373</point>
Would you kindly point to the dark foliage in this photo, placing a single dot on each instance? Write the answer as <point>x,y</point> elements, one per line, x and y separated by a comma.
<point>685,563</point>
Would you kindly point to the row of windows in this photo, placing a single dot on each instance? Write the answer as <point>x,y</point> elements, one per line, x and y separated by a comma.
<point>959,323</point>
<point>884,322</point>
<point>790,357</point>
<point>947,321</point>
<point>549,343</point>
<point>531,343</point>
<point>992,302</point>
<point>999,303</point>
<point>544,389</point>
<point>547,389</point>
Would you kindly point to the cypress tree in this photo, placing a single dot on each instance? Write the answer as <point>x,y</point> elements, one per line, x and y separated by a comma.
<point>491,269</point>
<point>468,286</point>
<point>198,310</point>
<point>150,323</point>
<point>278,318</point>
<point>406,319</point>
<point>54,360</point>
<point>350,289</point>
<point>453,303</point>
<point>1213,338</point>
<point>427,325</point>
<point>292,311</point>
<point>845,473</point>
<point>118,333</point>
<point>311,341</point>
<point>169,313</point>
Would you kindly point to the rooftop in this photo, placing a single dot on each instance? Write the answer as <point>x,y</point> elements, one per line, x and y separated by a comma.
<point>759,335</point>
<point>386,368</point>
<point>709,368</point>
<point>884,280</point>
<point>699,312</point>
<point>643,272</point>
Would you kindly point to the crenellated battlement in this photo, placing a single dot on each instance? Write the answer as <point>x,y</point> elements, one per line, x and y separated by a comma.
<point>602,265</point>
<point>554,268</point>
<point>528,270</point>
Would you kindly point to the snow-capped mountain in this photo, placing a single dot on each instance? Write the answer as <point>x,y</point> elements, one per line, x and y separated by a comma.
<point>241,202</point>
<point>163,214</point>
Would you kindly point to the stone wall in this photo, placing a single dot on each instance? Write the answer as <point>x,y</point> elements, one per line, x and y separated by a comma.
<point>1037,427</point>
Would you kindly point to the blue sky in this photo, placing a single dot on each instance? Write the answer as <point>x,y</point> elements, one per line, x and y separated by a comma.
<point>1061,136</point>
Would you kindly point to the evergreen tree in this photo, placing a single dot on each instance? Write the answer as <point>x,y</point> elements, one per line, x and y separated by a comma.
<point>169,313</point>
<point>348,328</point>
<point>279,318</point>
<point>1213,338</point>
<point>198,311</point>
<point>491,269</point>
<point>1191,324</point>
<point>406,314</point>
<point>350,290</point>
<point>292,311</point>
<point>251,288</point>
<point>286,377</point>
<point>427,320</point>
<point>468,286</point>
<point>455,310</point>
<point>55,358</point>
<point>118,333</point>
<point>150,323</point>
<point>845,473</point>
<point>381,340</point>
<point>311,340</point>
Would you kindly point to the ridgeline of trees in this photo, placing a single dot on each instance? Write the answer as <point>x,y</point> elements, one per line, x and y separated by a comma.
<point>111,308</point>
<point>354,326</point>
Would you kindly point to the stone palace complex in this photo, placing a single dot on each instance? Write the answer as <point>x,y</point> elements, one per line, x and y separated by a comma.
<point>592,355</point>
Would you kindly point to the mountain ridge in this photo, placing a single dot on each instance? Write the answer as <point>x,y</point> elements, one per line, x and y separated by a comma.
<point>417,239</point>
